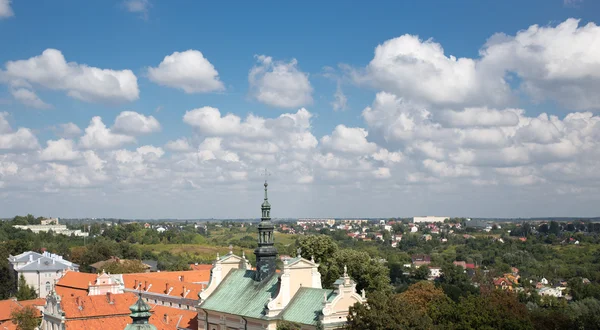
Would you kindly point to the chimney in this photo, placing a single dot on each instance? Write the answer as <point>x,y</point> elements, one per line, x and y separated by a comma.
<point>183,293</point>
<point>31,257</point>
<point>167,287</point>
<point>182,278</point>
<point>166,318</point>
<point>135,286</point>
<point>145,285</point>
<point>109,297</point>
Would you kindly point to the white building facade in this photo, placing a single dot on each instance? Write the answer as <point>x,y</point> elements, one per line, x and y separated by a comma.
<point>41,271</point>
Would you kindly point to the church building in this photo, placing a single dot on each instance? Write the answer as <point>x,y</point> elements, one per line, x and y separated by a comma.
<point>238,297</point>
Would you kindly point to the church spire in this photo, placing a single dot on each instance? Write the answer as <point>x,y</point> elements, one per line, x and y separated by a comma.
<point>140,314</point>
<point>266,253</point>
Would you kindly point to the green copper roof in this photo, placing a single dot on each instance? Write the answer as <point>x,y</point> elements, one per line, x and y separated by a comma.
<point>240,294</point>
<point>306,306</point>
<point>140,313</point>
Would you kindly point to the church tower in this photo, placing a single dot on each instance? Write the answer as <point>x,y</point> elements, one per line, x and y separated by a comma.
<point>266,254</point>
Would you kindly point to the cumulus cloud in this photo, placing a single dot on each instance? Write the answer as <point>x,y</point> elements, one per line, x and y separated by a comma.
<point>5,9</point>
<point>98,136</point>
<point>29,98</point>
<point>189,71</point>
<point>279,84</point>
<point>80,81</point>
<point>179,145</point>
<point>547,69</point>
<point>133,123</point>
<point>22,139</point>
<point>67,130</point>
<point>420,70</point>
<point>349,139</point>
<point>59,150</point>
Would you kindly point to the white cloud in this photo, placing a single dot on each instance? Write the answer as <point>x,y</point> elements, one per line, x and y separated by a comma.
<point>133,123</point>
<point>22,139</point>
<point>419,69</point>
<point>59,150</point>
<point>98,136</point>
<point>349,139</point>
<point>138,6</point>
<point>5,9</point>
<point>29,98</point>
<point>558,63</point>
<point>68,130</point>
<point>482,117</point>
<point>179,145</point>
<point>279,84</point>
<point>189,71</point>
<point>80,81</point>
<point>340,101</point>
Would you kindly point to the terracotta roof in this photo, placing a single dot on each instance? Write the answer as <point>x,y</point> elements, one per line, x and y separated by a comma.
<point>76,280</point>
<point>175,318</point>
<point>95,306</point>
<point>105,323</point>
<point>162,286</point>
<point>200,267</point>
<point>9,305</point>
<point>189,276</point>
<point>8,325</point>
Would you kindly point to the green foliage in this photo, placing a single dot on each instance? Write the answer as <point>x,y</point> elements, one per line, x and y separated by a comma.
<point>368,273</point>
<point>287,325</point>
<point>124,267</point>
<point>422,273</point>
<point>320,247</point>
<point>25,318</point>
<point>25,291</point>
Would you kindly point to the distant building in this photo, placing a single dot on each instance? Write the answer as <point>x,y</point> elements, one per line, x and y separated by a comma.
<point>48,225</point>
<point>429,219</point>
<point>435,272</point>
<point>419,260</point>
<point>51,221</point>
<point>304,222</point>
<point>41,271</point>
<point>355,221</point>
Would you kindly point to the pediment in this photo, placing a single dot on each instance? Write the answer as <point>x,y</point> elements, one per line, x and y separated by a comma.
<point>301,263</point>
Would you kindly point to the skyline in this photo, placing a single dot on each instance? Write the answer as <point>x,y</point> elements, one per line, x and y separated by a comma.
<point>138,109</point>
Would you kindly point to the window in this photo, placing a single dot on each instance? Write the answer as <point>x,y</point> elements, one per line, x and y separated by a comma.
<point>48,287</point>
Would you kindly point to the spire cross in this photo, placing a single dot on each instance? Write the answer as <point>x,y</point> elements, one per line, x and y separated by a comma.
<point>266,174</point>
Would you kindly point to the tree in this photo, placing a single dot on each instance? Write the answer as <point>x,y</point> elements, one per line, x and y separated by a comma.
<point>422,273</point>
<point>421,306</point>
<point>554,228</point>
<point>25,292</point>
<point>494,309</point>
<point>287,325</point>
<point>385,311</point>
<point>26,318</point>
<point>124,267</point>
<point>369,274</point>
<point>320,247</point>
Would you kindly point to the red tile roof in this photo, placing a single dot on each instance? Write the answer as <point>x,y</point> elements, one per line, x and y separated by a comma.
<point>98,313</point>
<point>200,267</point>
<point>9,305</point>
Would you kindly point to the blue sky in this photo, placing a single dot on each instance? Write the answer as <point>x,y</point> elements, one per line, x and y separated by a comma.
<point>325,47</point>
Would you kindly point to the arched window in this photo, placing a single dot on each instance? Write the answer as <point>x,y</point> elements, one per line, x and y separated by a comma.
<point>48,287</point>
